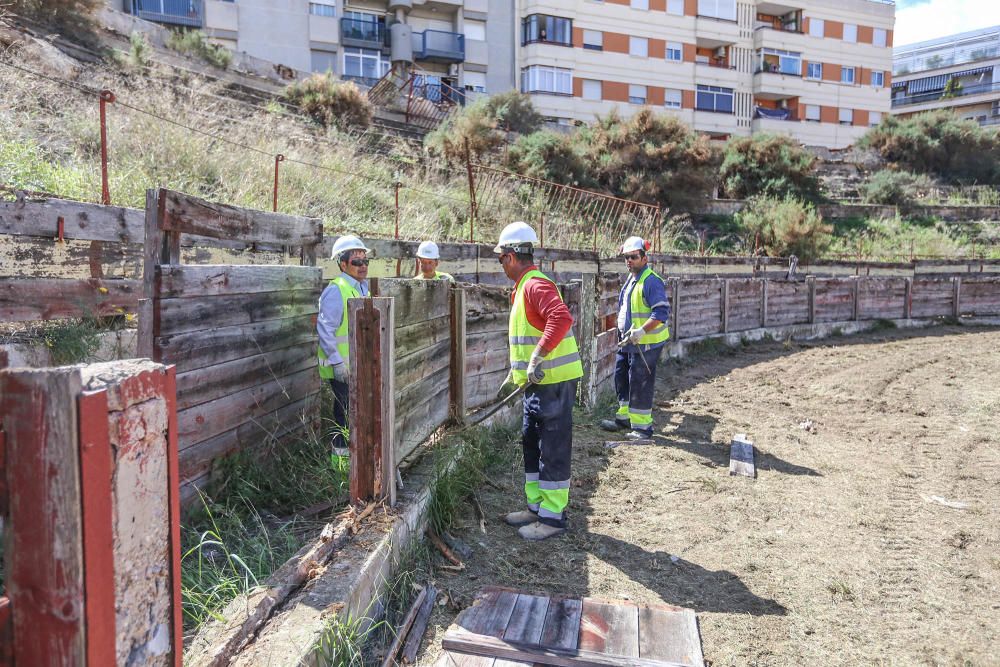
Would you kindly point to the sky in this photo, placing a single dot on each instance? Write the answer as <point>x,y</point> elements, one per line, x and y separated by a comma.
<point>919,20</point>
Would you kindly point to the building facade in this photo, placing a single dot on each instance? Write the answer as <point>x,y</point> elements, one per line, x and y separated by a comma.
<point>814,69</point>
<point>960,72</point>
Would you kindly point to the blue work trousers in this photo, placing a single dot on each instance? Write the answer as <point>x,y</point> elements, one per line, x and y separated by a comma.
<point>635,383</point>
<point>547,442</point>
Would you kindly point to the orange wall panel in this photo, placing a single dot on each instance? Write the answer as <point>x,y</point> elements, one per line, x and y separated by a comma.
<point>805,25</point>
<point>615,42</point>
<point>577,37</point>
<point>689,53</point>
<point>658,5</point>
<point>888,38</point>
<point>866,34</point>
<point>577,87</point>
<point>861,118</point>
<point>687,99</point>
<point>615,91</point>
<point>829,114</point>
<point>655,96</point>
<point>833,30</point>
<point>658,48</point>
<point>831,72</point>
<point>690,7</point>
<point>620,2</point>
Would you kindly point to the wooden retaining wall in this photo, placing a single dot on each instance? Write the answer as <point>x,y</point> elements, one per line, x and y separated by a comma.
<point>243,338</point>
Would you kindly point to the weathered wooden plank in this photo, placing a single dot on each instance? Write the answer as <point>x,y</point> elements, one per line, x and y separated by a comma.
<point>211,382</point>
<point>227,279</point>
<point>187,214</point>
<point>414,337</point>
<point>44,573</point>
<point>201,422</point>
<point>419,422</point>
<point>23,300</point>
<point>457,355</point>
<point>528,620</point>
<point>205,348</point>
<point>455,659</point>
<point>83,221</point>
<point>741,457</point>
<point>418,365</point>
<point>561,630</point>
<point>612,629</point>
<point>489,614</point>
<point>29,257</point>
<point>185,315</point>
<point>670,636</point>
<point>416,300</point>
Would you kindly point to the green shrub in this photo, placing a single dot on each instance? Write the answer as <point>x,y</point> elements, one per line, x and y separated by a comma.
<point>474,125</point>
<point>940,144</point>
<point>550,156</point>
<point>514,112</point>
<point>331,103</point>
<point>57,13</point>
<point>195,43</point>
<point>768,165</point>
<point>786,227</point>
<point>897,188</point>
<point>139,52</point>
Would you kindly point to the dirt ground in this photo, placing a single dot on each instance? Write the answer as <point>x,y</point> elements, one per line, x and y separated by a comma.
<point>870,537</point>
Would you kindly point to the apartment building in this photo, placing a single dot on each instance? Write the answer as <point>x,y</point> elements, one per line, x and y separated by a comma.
<point>959,72</point>
<point>815,69</point>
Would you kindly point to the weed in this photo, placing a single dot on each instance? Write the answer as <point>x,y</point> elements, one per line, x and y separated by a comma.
<point>138,50</point>
<point>195,43</point>
<point>883,324</point>
<point>343,641</point>
<point>72,341</point>
<point>707,347</point>
<point>708,484</point>
<point>840,589</point>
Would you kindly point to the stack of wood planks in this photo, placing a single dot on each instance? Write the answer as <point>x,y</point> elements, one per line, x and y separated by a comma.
<point>486,349</point>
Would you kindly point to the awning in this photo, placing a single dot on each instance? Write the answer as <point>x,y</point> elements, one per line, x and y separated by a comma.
<point>972,72</point>
<point>929,84</point>
<point>899,84</point>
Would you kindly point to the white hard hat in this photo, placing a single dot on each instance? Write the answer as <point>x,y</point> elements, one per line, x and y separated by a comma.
<point>428,250</point>
<point>515,234</point>
<point>634,243</point>
<point>345,243</point>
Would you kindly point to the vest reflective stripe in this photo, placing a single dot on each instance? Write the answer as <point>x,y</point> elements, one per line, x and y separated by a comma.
<point>642,312</point>
<point>562,363</point>
<point>347,291</point>
<point>438,275</point>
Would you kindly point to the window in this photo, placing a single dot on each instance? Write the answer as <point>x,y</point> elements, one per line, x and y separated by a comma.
<point>719,9</point>
<point>874,118</point>
<point>593,39</point>
<point>592,90</point>
<point>636,94</point>
<point>640,4</point>
<point>846,116</point>
<point>324,61</point>
<point>675,7</point>
<point>850,32</point>
<point>847,75</point>
<point>543,79</point>
<point>675,51</point>
<point>878,78</point>
<point>364,63</point>
<point>672,99</point>
<point>475,30</point>
<point>880,37</point>
<point>549,29</point>
<point>817,27</point>
<point>714,98</point>
<point>638,46</point>
<point>475,82</point>
<point>812,112</point>
<point>814,71</point>
<point>780,62</point>
<point>322,9</point>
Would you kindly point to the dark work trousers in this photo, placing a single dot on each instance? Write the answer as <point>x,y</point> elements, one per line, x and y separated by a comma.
<point>635,383</point>
<point>547,442</point>
<point>341,410</point>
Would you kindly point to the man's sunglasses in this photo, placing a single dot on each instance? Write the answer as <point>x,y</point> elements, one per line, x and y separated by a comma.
<point>359,262</point>
<point>633,258</point>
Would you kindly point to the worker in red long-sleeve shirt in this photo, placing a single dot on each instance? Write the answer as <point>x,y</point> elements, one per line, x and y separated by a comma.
<point>543,355</point>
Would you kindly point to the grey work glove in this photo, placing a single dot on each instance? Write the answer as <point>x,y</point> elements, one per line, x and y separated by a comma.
<point>634,335</point>
<point>535,372</point>
<point>507,387</point>
<point>340,372</point>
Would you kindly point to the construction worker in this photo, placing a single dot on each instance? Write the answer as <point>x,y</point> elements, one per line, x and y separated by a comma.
<point>331,325</point>
<point>545,360</point>
<point>643,313</point>
<point>428,258</point>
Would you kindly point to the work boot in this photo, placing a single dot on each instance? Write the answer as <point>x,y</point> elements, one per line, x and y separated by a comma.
<point>521,518</point>
<point>613,425</point>
<point>344,452</point>
<point>539,531</point>
<point>638,435</point>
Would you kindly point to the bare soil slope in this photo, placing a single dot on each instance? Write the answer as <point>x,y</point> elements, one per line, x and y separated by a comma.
<point>839,553</point>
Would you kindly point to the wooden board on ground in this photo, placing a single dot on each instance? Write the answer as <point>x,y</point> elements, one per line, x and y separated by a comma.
<point>741,457</point>
<point>611,444</point>
<point>505,627</point>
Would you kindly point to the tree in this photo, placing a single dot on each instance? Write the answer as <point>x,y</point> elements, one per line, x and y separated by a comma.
<point>769,165</point>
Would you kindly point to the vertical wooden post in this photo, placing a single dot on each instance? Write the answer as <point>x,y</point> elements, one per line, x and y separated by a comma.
<point>586,339</point>
<point>725,305</point>
<point>372,413</point>
<point>763,302</point>
<point>45,583</point>
<point>956,297</point>
<point>811,284</point>
<point>148,308</point>
<point>675,309</point>
<point>907,298</point>
<point>856,293</point>
<point>456,378</point>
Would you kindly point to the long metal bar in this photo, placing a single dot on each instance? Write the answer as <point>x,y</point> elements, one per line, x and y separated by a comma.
<point>106,97</point>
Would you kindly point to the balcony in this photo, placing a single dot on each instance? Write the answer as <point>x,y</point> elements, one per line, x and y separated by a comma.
<point>188,13</point>
<point>364,34</point>
<point>439,46</point>
<point>939,95</point>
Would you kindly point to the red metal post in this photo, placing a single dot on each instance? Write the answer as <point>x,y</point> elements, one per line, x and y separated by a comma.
<point>278,159</point>
<point>60,229</point>
<point>96,472</point>
<point>106,97</point>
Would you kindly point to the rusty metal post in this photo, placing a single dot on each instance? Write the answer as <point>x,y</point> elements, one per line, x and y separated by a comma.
<point>397,208</point>
<point>278,159</point>
<point>659,228</point>
<point>541,230</point>
<point>595,235</point>
<point>472,192</point>
<point>106,97</point>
